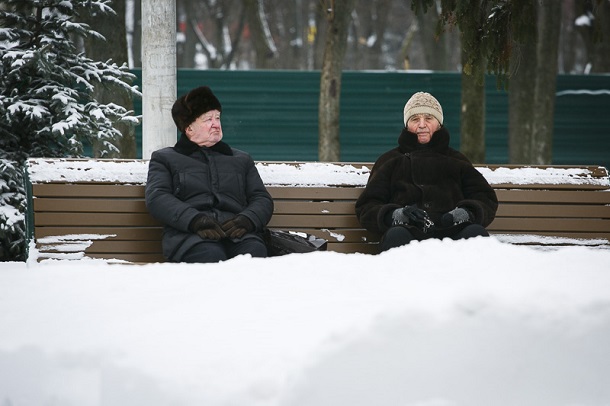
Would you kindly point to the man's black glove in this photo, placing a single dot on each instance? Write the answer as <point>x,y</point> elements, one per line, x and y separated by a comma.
<point>412,215</point>
<point>237,226</point>
<point>207,228</point>
<point>458,215</point>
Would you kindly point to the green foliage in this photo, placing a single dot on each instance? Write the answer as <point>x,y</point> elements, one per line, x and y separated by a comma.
<point>46,86</point>
<point>47,104</point>
<point>510,24</point>
<point>12,207</point>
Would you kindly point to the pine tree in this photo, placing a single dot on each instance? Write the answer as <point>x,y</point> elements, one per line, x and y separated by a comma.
<point>47,107</point>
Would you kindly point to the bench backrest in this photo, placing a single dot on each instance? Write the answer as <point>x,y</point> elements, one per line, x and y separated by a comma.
<point>71,215</point>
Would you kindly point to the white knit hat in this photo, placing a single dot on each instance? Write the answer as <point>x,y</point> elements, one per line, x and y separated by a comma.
<point>423,103</point>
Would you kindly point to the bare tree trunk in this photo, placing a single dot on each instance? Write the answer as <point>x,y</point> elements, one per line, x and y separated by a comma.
<point>472,128</point>
<point>113,28</point>
<point>435,49</point>
<point>319,45</point>
<point>532,91</point>
<point>136,34</point>
<point>339,16</point>
<point>567,58</point>
<point>266,51</point>
<point>369,35</point>
<point>601,60</point>
<point>549,23</point>
<point>472,131</point>
<point>185,48</point>
<point>521,103</point>
<point>595,34</point>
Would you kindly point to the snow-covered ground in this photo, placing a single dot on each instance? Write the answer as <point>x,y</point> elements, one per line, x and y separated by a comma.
<point>435,323</point>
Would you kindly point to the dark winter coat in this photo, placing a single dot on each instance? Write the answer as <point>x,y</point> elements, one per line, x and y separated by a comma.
<point>220,182</point>
<point>433,176</point>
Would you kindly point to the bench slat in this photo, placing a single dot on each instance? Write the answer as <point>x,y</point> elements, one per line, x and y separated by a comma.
<point>347,248</point>
<point>87,219</point>
<point>104,246</point>
<point>89,190</point>
<point>553,196</point>
<point>552,210</point>
<point>91,205</point>
<point>323,208</point>
<point>549,224</point>
<point>315,193</point>
<point>118,233</point>
<point>320,221</point>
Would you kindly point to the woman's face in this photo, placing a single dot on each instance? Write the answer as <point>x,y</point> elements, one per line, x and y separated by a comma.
<point>206,130</point>
<point>424,125</point>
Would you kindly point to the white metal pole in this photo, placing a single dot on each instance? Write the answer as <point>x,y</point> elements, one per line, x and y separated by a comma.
<point>158,74</point>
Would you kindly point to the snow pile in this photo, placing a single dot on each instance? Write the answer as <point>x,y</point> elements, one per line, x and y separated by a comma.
<point>282,174</point>
<point>43,170</point>
<point>313,174</point>
<point>548,176</point>
<point>443,323</point>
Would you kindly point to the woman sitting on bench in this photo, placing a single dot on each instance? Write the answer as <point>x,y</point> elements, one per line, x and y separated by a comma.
<point>423,188</point>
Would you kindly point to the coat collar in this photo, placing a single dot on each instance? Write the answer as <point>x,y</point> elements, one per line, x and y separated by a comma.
<point>185,146</point>
<point>407,141</point>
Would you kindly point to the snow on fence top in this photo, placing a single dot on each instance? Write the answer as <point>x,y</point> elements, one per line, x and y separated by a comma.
<point>43,170</point>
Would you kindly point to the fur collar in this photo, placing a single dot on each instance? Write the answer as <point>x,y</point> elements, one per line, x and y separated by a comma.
<point>185,146</point>
<point>407,141</point>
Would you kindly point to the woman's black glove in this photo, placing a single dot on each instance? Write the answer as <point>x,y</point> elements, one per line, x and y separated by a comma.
<point>237,226</point>
<point>458,215</point>
<point>207,228</point>
<point>412,215</point>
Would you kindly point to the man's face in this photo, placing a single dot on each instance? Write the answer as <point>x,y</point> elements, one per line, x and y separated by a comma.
<point>424,125</point>
<point>206,130</point>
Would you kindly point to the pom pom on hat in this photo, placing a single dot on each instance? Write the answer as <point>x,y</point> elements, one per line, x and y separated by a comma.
<point>423,103</point>
<point>188,107</point>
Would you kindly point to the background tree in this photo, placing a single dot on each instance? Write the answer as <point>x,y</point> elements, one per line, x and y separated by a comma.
<point>593,24</point>
<point>532,89</point>
<point>113,46</point>
<point>369,27</point>
<point>435,47</point>
<point>47,102</point>
<point>210,33</point>
<point>339,16</point>
<point>474,66</point>
<point>470,17</point>
<point>264,44</point>
<point>385,34</point>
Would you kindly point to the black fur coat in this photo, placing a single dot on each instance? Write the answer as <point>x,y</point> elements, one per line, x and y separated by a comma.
<point>433,176</point>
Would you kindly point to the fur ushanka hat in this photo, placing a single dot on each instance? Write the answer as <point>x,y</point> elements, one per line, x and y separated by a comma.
<point>188,107</point>
<point>423,103</point>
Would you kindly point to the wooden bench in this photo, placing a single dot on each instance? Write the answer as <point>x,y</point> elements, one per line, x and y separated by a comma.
<point>96,209</point>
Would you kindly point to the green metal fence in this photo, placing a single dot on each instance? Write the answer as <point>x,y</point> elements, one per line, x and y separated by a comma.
<point>274,114</point>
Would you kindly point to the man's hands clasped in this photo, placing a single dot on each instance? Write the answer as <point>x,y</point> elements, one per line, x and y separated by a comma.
<point>209,229</point>
<point>237,226</point>
<point>414,216</point>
